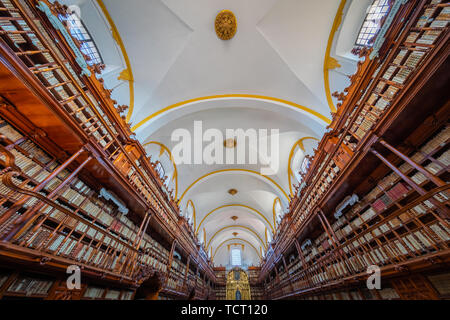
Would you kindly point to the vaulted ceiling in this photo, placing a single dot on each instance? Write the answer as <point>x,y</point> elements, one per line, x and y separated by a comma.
<point>165,60</point>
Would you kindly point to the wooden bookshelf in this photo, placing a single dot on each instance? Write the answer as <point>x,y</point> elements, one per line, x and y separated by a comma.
<point>390,152</point>
<point>63,143</point>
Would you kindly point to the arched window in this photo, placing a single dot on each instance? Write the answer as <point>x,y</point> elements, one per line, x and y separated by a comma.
<point>305,165</point>
<point>372,23</point>
<point>268,236</point>
<point>202,236</point>
<point>165,167</point>
<point>80,32</point>
<point>277,210</point>
<point>236,258</point>
<point>189,213</point>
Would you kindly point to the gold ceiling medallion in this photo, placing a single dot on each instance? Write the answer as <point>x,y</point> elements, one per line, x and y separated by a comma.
<point>234,218</point>
<point>232,191</point>
<point>230,143</point>
<point>235,234</point>
<point>226,25</point>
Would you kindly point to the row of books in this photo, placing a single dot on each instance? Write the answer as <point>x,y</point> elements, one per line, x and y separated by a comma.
<point>3,278</point>
<point>75,195</point>
<point>30,286</point>
<point>414,242</point>
<point>434,16</point>
<point>76,104</point>
<point>107,294</point>
<point>395,190</point>
<point>384,93</point>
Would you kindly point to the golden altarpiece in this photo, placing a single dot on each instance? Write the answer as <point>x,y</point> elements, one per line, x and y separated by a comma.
<point>238,286</point>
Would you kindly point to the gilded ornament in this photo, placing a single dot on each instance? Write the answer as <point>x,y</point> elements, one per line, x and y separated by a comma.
<point>226,25</point>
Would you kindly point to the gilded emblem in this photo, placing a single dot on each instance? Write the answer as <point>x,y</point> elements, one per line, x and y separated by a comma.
<point>226,25</point>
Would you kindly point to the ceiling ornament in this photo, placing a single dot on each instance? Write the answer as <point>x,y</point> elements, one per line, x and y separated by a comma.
<point>232,192</point>
<point>234,218</point>
<point>230,143</point>
<point>226,25</point>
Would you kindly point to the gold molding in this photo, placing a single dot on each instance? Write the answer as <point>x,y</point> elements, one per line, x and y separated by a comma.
<point>247,96</point>
<point>126,74</point>
<point>232,170</point>
<point>233,205</point>
<point>331,63</point>
<point>236,226</point>
<point>193,213</point>
<point>299,143</point>
<point>175,173</point>
<point>274,213</point>
<point>225,25</point>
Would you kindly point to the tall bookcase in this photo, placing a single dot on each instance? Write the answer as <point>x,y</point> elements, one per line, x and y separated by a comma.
<point>377,192</point>
<point>76,188</point>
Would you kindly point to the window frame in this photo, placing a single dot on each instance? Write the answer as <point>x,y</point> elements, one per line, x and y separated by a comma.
<point>369,36</point>
<point>233,250</point>
<point>83,36</point>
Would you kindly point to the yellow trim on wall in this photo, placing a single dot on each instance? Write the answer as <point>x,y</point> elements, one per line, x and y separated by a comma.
<point>250,96</point>
<point>236,239</point>
<point>299,143</point>
<point>127,74</point>
<point>232,170</point>
<point>236,226</point>
<point>175,173</point>
<point>193,213</point>
<point>234,205</point>
<point>329,62</point>
<point>274,213</point>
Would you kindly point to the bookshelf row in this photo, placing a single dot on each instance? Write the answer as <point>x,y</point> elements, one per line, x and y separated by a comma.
<point>385,227</point>
<point>23,285</point>
<point>73,236</point>
<point>403,218</point>
<point>431,286</point>
<point>57,233</point>
<point>82,99</point>
<point>79,224</point>
<point>387,82</point>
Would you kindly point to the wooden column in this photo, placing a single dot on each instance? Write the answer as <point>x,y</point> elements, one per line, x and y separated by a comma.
<point>187,270</point>
<point>169,261</point>
<point>288,273</point>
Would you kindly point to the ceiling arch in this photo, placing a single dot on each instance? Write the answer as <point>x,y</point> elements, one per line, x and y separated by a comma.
<point>192,102</point>
<point>235,239</point>
<point>236,205</point>
<point>240,227</point>
<point>329,62</point>
<point>126,74</point>
<point>239,171</point>
<point>173,70</point>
